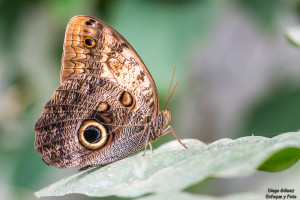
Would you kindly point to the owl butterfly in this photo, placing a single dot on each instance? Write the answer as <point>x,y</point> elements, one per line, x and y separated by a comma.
<point>106,107</point>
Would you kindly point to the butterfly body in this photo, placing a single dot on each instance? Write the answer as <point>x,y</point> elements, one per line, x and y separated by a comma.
<point>106,107</point>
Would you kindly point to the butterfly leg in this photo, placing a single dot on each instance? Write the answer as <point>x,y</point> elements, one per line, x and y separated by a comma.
<point>151,147</point>
<point>169,129</point>
<point>146,143</point>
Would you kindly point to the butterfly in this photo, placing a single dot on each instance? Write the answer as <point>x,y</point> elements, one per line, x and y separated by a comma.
<point>106,107</point>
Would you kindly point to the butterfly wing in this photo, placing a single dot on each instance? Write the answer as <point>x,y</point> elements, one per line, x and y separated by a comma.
<point>107,96</point>
<point>81,104</point>
<point>91,46</point>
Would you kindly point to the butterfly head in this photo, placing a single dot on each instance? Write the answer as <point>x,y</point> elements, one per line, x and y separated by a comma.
<point>166,117</point>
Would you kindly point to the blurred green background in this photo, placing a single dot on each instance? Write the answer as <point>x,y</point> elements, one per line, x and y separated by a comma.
<point>238,76</point>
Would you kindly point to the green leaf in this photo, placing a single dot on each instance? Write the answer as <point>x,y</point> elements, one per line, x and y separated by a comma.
<point>172,168</point>
<point>281,160</point>
<point>292,34</point>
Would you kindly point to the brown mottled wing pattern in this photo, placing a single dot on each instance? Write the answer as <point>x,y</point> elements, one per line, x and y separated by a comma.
<point>75,102</point>
<point>112,57</point>
<point>103,81</point>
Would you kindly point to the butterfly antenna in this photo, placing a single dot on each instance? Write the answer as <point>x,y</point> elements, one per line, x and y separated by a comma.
<point>167,99</point>
<point>171,95</point>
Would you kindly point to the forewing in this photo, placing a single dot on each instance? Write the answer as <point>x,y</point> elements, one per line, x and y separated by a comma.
<point>93,47</point>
